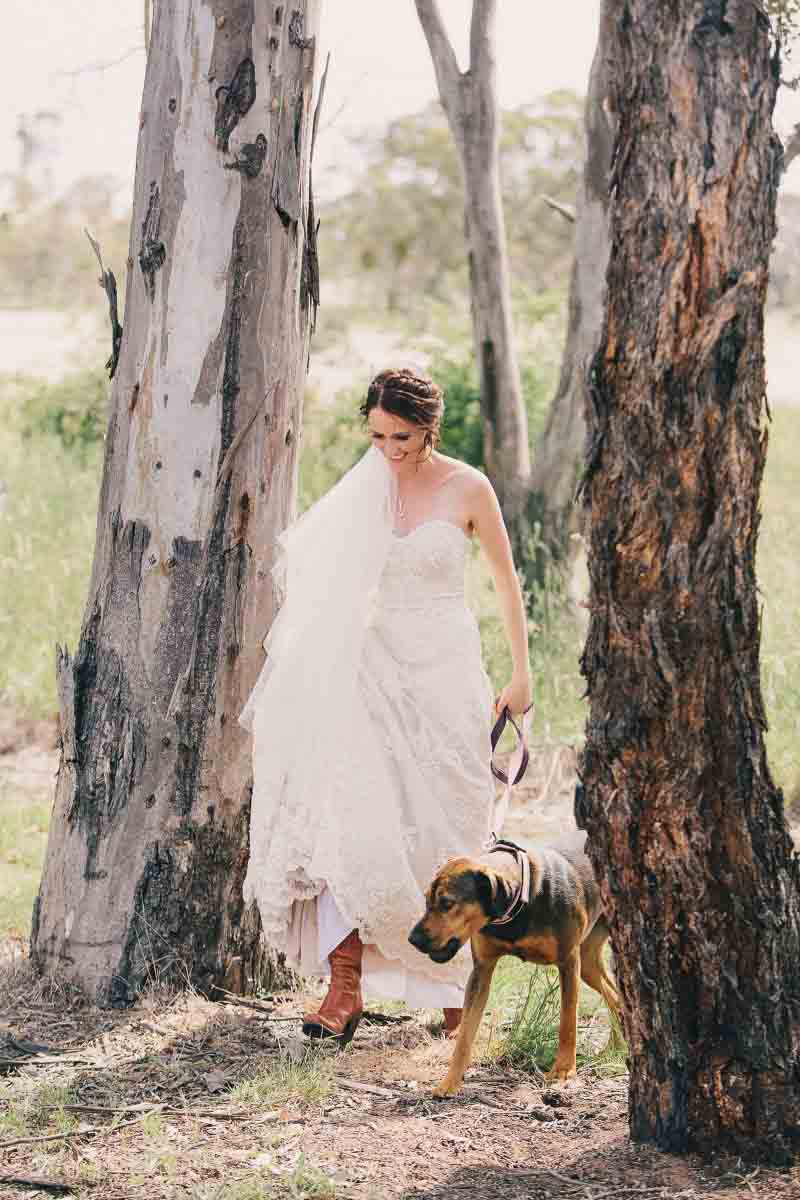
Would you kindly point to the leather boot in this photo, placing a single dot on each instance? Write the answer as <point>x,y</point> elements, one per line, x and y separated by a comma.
<point>452,1020</point>
<point>340,1012</point>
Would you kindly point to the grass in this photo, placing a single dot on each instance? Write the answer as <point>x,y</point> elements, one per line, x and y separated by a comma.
<point>778,568</point>
<point>38,1110</point>
<point>23,839</point>
<point>47,529</point>
<point>526,1006</point>
<point>307,1083</point>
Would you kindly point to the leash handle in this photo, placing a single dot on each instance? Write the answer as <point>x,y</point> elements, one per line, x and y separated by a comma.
<point>518,763</point>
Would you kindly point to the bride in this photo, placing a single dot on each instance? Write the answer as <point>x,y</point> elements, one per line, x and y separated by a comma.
<point>371,716</point>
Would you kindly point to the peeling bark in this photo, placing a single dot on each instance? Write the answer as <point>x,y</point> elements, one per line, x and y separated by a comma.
<point>149,839</point>
<point>686,826</point>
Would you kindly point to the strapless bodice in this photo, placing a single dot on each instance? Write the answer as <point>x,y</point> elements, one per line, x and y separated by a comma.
<point>425,567</point>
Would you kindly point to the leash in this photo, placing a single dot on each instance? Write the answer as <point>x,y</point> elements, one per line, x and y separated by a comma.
<point>517,766</point>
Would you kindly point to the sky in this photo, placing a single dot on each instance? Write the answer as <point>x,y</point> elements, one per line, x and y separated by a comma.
<point>84,59</point>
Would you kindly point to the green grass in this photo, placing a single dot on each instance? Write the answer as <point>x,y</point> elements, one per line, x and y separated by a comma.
<point>23,839</point>
<point>308,1083</point>
<point>526,1006</point>
<point>37,1110</point>
<point>47,529</point>
<point>778,567</point>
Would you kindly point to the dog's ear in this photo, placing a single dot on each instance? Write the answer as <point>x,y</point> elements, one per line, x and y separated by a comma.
<point>487,894</point>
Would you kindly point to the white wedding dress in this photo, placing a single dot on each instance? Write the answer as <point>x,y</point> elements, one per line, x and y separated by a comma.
<point>350,823</point>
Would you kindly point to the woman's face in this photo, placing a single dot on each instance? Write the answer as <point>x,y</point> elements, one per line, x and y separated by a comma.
<point>399,441</point>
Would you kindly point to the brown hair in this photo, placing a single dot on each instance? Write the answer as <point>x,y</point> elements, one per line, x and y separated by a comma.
<point>411,397</point>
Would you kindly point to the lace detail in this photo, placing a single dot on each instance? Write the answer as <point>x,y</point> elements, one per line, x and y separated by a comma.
<point>410,787</point>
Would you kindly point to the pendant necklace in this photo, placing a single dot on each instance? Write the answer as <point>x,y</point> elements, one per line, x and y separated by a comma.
<point>401,508</point>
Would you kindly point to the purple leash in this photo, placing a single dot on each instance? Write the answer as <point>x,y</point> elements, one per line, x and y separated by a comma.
<point>518,763</point>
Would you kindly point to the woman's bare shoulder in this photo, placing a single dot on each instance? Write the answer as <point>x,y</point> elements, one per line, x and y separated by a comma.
<point>468,477</point>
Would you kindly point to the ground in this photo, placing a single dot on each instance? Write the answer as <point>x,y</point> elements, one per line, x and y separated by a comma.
<point>181,1099</point>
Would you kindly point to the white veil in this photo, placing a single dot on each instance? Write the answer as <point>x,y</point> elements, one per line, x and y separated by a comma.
<point>328,570</point>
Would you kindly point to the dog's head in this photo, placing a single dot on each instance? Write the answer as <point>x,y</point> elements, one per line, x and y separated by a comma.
<point>463,897</point>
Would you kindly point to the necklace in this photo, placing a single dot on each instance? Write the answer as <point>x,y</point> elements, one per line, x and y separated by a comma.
<point>401,508</point>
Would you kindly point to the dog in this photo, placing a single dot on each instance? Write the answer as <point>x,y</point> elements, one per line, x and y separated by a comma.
<point>543,906</point>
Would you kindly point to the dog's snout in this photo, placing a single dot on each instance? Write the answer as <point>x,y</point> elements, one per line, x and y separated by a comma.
<point>419,938</point>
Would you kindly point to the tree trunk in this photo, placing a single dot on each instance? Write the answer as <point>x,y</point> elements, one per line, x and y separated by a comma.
<point>558,454</point>
<point>470,103</point>
<point>149,838</point>
<point>686,827</point>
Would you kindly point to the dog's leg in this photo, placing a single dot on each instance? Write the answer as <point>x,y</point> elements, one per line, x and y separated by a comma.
<point>475,999</point>
<point>593,972</point>
<point>569,973</point>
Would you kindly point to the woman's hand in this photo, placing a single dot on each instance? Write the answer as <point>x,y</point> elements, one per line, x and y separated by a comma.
<point>516,696</point>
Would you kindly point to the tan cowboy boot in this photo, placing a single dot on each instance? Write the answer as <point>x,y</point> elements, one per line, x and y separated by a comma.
<point>340,1012</point>
<point>452,1020</point>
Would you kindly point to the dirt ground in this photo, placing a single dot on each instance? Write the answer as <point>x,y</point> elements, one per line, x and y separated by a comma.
<point>148,1101</point>
<point>153,1113</point>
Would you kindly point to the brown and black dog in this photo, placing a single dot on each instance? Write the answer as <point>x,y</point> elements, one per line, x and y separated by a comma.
<point>560,923</point>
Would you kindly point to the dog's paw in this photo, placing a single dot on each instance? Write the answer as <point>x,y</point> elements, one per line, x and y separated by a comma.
<point>560,1072</point>
<point>446,1088</point>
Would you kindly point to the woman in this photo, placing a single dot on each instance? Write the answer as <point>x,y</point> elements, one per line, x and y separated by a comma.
<point>371,717</point>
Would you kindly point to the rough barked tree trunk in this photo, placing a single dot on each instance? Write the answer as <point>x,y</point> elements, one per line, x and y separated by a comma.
<point>558,455</point>
<point>686,827</point>
<point>149,838</point>
<point>470,103</point>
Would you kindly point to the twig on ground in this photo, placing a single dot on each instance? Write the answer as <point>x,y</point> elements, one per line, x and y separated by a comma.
<point>357,1086</point>
<point>55,1187</point>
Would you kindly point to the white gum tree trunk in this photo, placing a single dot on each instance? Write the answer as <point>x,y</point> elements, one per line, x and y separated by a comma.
<point>149,837</point>
<point>559,452</point>
<point>470,104</point>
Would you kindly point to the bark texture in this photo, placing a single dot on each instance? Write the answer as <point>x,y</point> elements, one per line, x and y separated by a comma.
<point>149,838</point>
<point>470,103</point>
<point>558,455</point>
<point>686,826</point>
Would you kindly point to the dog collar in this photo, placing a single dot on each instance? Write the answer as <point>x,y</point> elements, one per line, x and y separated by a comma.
<point>521,895</point>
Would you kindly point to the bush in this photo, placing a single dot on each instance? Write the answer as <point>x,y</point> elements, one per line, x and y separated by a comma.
<point>462,431</point>
<point>74,410</point>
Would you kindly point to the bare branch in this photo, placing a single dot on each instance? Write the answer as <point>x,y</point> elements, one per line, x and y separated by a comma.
<point>443,56</point>
<point>792,148</point>
<point>108,283</point>
<point>567,211</point>
<point>318,109</point>
<point>482,40</point>
<point>100,65</point>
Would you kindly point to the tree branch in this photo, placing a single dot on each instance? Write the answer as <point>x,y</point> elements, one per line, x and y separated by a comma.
<point>566,210</point>
<point>482,59</point>
<point>792,148</point>
<point>445,64</point>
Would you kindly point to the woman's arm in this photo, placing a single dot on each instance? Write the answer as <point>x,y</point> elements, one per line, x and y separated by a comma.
<point>487,521</point>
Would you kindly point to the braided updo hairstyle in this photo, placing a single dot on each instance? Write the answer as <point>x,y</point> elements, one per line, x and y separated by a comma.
<point>413,398</point>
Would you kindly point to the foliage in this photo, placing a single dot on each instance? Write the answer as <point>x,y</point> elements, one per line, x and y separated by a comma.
<point>786,20</point>
<point>45,259</point>
<point>396,239</point>
<point>74,410</point>
<point>47,527</point>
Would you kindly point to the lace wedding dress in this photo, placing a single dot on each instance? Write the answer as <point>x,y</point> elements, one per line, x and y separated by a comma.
<point>350,835</point>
